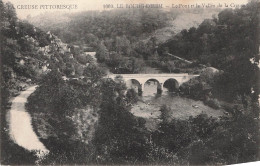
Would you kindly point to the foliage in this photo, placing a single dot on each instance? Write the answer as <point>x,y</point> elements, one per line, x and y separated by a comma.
<point>90,25</point>
<point>116,35</point>
<point>12,74</point>
<point>217,42</point>
<point>57,100</point>
<point>114,138</point>
<point>118,63</point>
<point>64,151</point>
<point>62,97</point>
<point>131,96</point>
<point>202,87</point>
<point>120,137</point>
<point>165,114</point>
<point>160,155</point>
<point>214,103</point>
<point>226,141</point>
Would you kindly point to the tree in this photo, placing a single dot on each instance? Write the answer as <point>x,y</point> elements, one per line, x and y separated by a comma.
<point>170,66</point>
<point>10,16</point>
<point>122,45</point>
<point>131,96</point>
<point>165,114</point>
<point>93,72</point>
<point>118,138</point>
<point>102,53</point>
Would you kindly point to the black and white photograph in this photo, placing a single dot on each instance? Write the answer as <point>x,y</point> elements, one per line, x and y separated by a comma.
<point>130,82</point>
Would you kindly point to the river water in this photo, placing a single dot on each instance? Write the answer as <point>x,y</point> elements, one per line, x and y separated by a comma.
<point>181,108</point>
<point>20,125</point>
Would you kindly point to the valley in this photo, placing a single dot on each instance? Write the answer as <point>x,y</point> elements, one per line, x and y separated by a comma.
<point>146,87</point>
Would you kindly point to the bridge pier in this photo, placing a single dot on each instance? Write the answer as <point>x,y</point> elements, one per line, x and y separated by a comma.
<point>140,91</point>
<point>159,89</point>
<point>142,86</point>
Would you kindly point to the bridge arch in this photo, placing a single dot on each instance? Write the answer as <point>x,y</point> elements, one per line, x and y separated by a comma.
<point>161,79</point>
<point>155,82</point>
<point>171,84</point>
<point>134,84</point>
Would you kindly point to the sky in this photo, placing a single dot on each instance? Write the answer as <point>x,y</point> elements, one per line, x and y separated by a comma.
<point>99,4</point>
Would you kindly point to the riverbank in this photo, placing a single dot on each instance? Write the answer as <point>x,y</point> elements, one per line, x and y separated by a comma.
<point>181,108</point>
<point>20,127</point>
<point>67,136</point>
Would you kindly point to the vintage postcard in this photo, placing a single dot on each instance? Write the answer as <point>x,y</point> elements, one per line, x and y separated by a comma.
<point>129,82</point>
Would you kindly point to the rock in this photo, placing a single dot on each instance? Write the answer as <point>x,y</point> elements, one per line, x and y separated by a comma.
<point>195,106</point>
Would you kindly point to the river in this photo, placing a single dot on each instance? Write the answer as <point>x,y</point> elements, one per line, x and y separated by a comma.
<point>20,125</point>
<point>181,108</point>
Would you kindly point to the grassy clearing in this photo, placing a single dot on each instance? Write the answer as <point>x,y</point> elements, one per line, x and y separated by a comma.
<point>181,108</point>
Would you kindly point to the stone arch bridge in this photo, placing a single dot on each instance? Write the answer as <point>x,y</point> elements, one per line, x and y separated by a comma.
<point>160,78</point>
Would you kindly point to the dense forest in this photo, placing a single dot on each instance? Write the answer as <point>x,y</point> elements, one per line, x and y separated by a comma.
<point>14,45</point>
<point>27,54</point>
<point>119,37</point>
<point>229,43</point>
<point>88,120</point>
<point>125,40</point>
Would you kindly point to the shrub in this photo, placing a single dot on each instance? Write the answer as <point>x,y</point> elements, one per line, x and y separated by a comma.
<point>176,70</point>
<point>141,122</point>
<point>131,96</point>
<point>200,87</point>
<point>160,155</point>
<point>214,103</point>
<point>165,113</point>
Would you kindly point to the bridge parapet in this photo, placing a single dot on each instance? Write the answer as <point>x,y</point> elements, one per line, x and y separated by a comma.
<point>149,75</point>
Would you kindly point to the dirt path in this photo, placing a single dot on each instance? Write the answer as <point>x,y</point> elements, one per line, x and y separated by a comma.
<point>20,127</point>
<point>184,60</point>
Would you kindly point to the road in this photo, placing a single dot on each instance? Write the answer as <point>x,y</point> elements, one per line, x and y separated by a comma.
<point>20,126</point>
<point>184,60</point>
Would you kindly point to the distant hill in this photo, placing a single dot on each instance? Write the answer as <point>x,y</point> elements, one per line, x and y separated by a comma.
<point>159,23</point>
<point>117,35</point>
<point>46,21</point>
<point>184,20</point>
